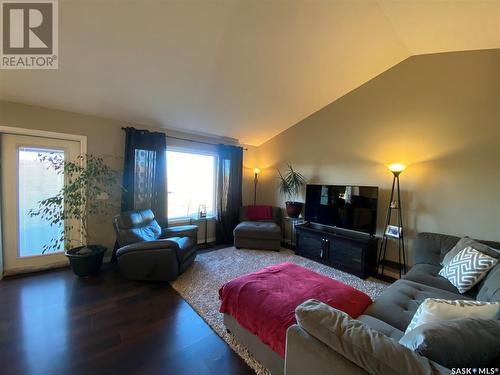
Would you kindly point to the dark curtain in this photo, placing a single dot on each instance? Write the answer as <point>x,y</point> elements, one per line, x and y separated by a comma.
<point>144,172</point>
<point>229,177</point>
<point>1,249</point>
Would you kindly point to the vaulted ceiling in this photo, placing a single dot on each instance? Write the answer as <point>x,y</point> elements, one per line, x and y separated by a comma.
<point>241,69</point>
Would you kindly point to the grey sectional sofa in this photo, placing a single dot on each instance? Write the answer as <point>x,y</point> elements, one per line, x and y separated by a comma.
<point>320,342</point>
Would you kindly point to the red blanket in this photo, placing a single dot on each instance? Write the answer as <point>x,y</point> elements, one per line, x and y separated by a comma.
<point>264,302</point>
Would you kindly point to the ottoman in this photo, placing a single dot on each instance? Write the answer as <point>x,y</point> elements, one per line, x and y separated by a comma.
<point>262,235</point>
<point>259,307</point>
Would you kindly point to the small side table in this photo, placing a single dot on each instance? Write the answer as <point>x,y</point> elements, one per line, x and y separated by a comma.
<point>288,234</point>
<point>205,244</point>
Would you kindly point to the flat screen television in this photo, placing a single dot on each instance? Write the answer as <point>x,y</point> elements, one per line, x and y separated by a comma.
<point>348,207</point>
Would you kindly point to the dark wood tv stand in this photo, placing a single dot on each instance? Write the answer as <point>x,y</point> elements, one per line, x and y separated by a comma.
<point>345,250</point>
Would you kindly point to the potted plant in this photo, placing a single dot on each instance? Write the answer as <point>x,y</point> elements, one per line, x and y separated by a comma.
<point>88,183</point>
<point>290,185</point>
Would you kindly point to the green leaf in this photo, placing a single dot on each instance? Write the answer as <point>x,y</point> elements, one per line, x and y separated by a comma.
<point>292,183</point>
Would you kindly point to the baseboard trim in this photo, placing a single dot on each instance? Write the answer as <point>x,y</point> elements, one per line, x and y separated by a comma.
<point>33,269</point>
<point>209,240</point>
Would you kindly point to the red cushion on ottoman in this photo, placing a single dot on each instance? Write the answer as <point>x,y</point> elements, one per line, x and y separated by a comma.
<point>264,302</point>
<point>256,213</point>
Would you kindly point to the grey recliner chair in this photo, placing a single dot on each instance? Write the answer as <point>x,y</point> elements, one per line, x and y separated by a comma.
<point>261,234</point>
<point>149,252</point>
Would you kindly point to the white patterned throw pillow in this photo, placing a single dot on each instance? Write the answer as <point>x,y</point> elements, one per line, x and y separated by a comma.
<point>467,268</point>
<point>436,310</point>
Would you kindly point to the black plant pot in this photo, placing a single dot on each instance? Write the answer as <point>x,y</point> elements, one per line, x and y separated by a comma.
<point>86,263</point>
<point>294,209</point>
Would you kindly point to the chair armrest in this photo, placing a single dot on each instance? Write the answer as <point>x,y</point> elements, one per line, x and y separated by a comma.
<point>180,231</point>
<point>371,350</point>
<point>148,245</point>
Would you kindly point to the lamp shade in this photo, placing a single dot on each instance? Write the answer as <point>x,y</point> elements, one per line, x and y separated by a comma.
<point>396,167</point>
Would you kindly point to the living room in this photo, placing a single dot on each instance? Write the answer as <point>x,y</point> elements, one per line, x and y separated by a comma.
<point>340,156</point>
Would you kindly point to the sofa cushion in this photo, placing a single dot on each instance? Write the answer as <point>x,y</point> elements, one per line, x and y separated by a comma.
<point>397,305</point>
<point>381,326</point>
<point>428,274</point>
<point>376,353</point>
<point>457,343</point>
<point>489,288</point>
<point>431,248</point>
<point>137,247</point>
<point>258,229</point>
<point>307,355</point>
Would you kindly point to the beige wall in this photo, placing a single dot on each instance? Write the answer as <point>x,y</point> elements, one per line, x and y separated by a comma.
<point>104,138</point>
<point>249,163</point>
<point>438,113</point>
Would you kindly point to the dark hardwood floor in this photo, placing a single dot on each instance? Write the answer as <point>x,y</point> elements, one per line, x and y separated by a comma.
<point>56,323</point>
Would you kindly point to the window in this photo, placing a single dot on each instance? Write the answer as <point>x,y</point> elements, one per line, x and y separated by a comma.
<point>36,181</point>
<point>190,183</point>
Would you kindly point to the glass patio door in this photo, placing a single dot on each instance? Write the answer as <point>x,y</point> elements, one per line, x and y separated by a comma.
<point>27,179</point>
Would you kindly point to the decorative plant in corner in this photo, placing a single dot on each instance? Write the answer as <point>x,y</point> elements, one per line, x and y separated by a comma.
<point>88,181</point>
<point>291,185</point>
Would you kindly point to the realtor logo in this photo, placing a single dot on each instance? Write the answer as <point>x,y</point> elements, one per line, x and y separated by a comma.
<point>29,37</point>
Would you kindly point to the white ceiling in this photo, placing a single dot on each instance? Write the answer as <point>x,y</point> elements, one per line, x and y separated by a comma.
<point>241,69</point>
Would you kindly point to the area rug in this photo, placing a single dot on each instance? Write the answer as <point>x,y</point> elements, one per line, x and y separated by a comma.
<point>200,284</point>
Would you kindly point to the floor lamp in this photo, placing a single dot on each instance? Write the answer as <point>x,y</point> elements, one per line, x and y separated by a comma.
<point>389,230</point>
<point>256,172</point>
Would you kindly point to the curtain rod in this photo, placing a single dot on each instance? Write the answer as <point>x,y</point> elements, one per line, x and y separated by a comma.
<point>192,140</point>
<point>205,143</point>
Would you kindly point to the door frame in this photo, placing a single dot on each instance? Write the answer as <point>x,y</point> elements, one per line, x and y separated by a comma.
<point>46,134</point>
<point>82,139</point>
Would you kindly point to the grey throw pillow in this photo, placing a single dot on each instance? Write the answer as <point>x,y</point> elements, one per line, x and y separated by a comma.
<point>468,342</point>
<point>469,242</point>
